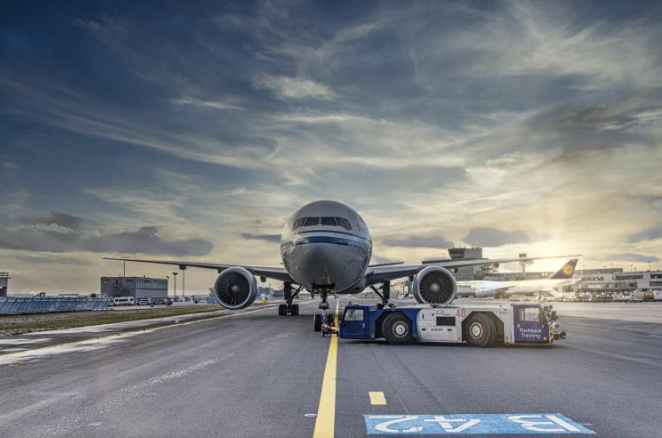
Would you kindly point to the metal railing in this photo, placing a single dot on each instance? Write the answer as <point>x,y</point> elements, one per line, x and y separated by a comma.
<point>22,305</point>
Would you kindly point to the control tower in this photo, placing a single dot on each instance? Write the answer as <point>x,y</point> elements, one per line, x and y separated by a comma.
<point>470,272</point>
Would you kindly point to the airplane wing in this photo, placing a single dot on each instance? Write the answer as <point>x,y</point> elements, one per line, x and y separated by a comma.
<point>386,273</point>
<point>275,273</point>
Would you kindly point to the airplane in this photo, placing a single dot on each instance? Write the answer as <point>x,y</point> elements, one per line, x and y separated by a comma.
<point>504,289</point>
<point>326,248</point>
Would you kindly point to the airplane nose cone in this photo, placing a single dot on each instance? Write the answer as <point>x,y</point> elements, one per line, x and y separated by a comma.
<point>314,264</point>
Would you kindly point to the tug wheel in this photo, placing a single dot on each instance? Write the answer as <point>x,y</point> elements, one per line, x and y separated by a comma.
<point>397,329</point>
<point>479,330</point>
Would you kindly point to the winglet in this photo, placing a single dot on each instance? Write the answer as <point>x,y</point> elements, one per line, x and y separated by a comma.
<point>567,271</point>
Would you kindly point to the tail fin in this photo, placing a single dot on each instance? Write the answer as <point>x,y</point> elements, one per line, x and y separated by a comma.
<point>567,271</point>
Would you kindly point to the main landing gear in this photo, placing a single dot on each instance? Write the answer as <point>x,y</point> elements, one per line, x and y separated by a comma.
<point>385,294</point>
<point>324,318</point>
<point>289,308</point>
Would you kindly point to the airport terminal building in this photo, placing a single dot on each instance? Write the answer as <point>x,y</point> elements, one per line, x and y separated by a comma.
<point>617,280</point>
<point>135,287</point>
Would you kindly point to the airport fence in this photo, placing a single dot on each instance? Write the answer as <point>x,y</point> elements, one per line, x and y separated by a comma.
<point>21,305</point>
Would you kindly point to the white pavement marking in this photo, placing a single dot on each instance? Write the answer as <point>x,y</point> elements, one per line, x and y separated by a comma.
<point>26,410</point>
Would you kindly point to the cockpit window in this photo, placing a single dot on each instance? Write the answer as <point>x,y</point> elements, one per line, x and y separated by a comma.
<point>329,221</point>
<point>310,221</point>
<point>298,223</point>
<point>325,221</point>
<point>344,223</point>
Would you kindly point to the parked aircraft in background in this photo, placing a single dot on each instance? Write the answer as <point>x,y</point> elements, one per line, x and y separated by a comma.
<point>326,248</point>
<point>503,289</point>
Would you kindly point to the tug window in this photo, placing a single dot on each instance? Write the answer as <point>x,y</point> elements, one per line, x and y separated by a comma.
<point>530,314</point>
<point>354,315</point>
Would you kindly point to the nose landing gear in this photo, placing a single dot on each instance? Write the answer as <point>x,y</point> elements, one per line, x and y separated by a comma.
<point>324,318</point>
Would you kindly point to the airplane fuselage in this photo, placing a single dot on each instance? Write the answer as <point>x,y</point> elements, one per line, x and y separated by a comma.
<point>326,245</point>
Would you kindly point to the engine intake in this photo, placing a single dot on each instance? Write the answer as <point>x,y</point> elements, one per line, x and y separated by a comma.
<point>435,285</point>
<point>235,288</point>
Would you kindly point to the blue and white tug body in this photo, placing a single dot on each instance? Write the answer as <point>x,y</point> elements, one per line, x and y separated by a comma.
<point>477,324</point>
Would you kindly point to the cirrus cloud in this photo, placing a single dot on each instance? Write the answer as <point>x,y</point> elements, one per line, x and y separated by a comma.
<point>294,87</point>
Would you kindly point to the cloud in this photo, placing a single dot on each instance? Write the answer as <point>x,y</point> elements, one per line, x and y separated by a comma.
<point>57,218</point>
<point>419,242</point>
<point>146,240</point>
<point>629,257</point>
<point>59,260</point>
<point>272,238</point>
<point>294,87</point>
<point>206,103</point>
<point>378,260</point>
<point>653,233</point>
<point>492,237</point>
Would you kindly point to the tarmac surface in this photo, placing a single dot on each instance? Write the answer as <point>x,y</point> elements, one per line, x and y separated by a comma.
<point>255,374</point>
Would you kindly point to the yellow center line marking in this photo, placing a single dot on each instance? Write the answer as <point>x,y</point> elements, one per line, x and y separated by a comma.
<point>326,412</point>
<point>377,398</point>
<point>126,334</point>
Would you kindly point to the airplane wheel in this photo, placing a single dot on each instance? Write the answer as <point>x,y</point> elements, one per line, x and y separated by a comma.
<point>479,330</point>
<point>282,310</point>
<point>317,322</point>
<point>294,310</point>
<point>397,329</point>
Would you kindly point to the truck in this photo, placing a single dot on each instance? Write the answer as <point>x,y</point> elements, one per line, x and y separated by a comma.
<point>479,325</point>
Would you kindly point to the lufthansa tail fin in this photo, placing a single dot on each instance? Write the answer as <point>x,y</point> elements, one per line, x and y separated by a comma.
<point>567,271</point>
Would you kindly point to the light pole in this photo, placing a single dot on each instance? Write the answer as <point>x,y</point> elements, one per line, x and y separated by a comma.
<point>168,278</point>
<point>175,274</point>
<point>184,283</point>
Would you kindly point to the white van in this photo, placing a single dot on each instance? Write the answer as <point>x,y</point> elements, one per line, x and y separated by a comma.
<point>123,301</point>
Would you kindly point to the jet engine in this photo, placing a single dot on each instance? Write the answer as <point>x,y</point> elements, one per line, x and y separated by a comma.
<point>435,285</point>
<point>235,288</point>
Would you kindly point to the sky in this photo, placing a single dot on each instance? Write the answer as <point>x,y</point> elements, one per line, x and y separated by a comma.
<point>191,130</point>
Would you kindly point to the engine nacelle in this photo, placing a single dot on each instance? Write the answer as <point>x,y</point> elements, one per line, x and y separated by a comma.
<point>235,288</point>
<point>435,285</point>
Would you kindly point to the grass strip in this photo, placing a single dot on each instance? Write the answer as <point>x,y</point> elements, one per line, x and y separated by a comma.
<point>21,324</point>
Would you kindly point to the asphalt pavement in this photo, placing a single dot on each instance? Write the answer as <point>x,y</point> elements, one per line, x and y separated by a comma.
<point>255,374</point>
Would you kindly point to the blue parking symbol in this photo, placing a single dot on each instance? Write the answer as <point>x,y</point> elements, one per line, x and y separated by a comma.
<point>459,424</point>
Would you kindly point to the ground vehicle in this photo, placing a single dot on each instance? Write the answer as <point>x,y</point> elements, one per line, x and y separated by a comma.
<point>162,301</point>
<point>123,301</point>
<point>479,325</point>
<point>144,302</point>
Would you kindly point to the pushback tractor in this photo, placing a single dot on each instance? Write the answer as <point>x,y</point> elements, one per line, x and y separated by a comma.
<point>479,325</point>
